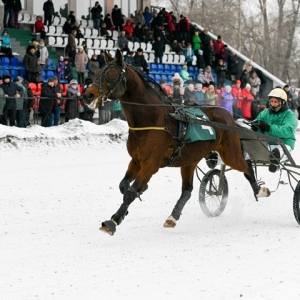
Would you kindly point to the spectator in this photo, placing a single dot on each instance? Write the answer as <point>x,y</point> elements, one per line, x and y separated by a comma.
<point>159,31</point>
<point>17,9</point>
<point>200,61</point>
<point>175,47</point>
<point>44,54</point>
<point>247,99</point>
<point>108,22</point>
<point>47,102</point>
<point>139,17</point>
<point>96,15</point>
<point>224,55</point>
<point>170,24</point>
<point>33,43</point>
<point>39,27</point>
<point>6,44</point>
<point>218,45</point>
<point>221,71</point>
<point>196,41</point>
<point>39,72</point>
<point>147,16</point>
<point>72,17</point>
<point>129,30</point>
<point>87,113</point>
<point>81,60</point>
<point>247,66</point>
<point>140,62</point>
<point>199,94</point>
<point>209,79</point>
<point>159,48</point>
<point>189,54</point>
<point>254,80</point>
<point>163,85</point>
<point>177,92</point>
<point>233,65</point>
<point>128,57</point>
<point>184,28</point>
<point>294,101</point>
<point>244,78</point>
<point>237,94</point>
<point>255,108</point>
<point>117,18</point>
<point>104,31</point>
<point>11,92</point>
<point>84,46</point>
<point>205,42</point>
<point>101,59</point>
<point>177,78</point>
<point>298,105</point>
<point>48,9</point>
<point>189,97</point>
<point>29,102</point>
<point>139,33</point>
<point>146,34</point>
<point>71,47</point>
<point>227,99</point>
<point>57,103</point>
<point>60,68</point>
<point>67,27</point>
<point>68,70</point>
<point>210,95</point>
<point>93,67</point>
<point>211,56</point>
<point>8,11</point>
<point>182,46</point>
<point>184,74</point>
<point>73,94</point>
<point>201,77</point>
<point>289,97</point>
<point>31,64</point>
<point>21,103</point>
<point>123,41</point>
<point>263,82</point>
<point>2,101</point>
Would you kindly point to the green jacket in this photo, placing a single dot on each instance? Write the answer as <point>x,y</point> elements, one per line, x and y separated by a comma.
<point>282,125</point>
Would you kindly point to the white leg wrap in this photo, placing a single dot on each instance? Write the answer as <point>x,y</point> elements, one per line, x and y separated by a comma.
<point>170,222</point>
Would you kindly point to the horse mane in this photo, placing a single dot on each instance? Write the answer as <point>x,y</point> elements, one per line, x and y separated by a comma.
<point>151,85</point>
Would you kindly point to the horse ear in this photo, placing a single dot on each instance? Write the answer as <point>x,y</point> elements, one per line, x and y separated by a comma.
<point>107,57</point>
<point>119,58</point>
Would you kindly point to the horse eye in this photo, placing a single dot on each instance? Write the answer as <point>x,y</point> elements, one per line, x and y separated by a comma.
<point>111,75</point>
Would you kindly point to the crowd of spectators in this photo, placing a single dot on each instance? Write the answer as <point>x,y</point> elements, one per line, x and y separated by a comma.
<point>231,90</point>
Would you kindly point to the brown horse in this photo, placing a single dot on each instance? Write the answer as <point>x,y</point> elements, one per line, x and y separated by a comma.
<point>153,140</point>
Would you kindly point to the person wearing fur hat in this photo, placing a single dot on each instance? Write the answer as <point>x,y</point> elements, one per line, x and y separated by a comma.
<point>11,92</point>
<point>6,44</point>
<point>31,64</point>
<point>73,94</point>
<point>49,97</point>
<point>81,60</point>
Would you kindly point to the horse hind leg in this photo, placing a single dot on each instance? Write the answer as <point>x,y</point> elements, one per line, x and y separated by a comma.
<point>187,174</point>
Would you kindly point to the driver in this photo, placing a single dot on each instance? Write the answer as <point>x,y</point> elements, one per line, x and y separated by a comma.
<point>277,121</point>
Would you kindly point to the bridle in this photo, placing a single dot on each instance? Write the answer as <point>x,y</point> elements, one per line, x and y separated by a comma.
<point>112,85</point>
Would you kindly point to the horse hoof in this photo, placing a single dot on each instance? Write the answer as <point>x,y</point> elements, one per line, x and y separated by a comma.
<point>170,222</point>
<point>263,192</point>
<point>106,230</point>
<point>108,227</point>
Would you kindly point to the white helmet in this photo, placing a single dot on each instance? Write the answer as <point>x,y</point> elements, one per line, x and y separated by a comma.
<point>278,93</point>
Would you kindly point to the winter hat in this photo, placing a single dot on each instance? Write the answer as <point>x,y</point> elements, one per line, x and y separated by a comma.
<point>200,52</point>
<point>198,85</point>
<point>4,31</point>
<point>6,76</point>
<point>80,47</point>
<point>219,37</point>
<point>16,79</point>
<point>248,85</point>
<point>51,79</point>
<point>73,81</point>
<point>88,81</point>
<point>61,58</point>
<point>139,50</point>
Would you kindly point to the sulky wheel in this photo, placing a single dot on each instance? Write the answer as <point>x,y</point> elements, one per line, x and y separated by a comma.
<point>296,203</point>
<point>213,197</point>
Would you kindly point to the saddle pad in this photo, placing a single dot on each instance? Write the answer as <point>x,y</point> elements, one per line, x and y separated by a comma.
<point>197,132</point>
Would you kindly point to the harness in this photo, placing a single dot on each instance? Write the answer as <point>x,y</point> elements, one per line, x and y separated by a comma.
<point>114,84</point>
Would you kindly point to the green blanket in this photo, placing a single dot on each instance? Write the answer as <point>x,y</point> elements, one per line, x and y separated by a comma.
<point>196,132</point>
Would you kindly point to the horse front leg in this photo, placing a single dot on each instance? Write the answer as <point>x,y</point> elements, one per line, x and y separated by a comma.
<point>187,175</point>
<point>134,191</point>
<point>131,174</point>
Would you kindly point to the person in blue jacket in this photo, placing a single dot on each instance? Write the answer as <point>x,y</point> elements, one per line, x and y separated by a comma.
<point>277,121</point>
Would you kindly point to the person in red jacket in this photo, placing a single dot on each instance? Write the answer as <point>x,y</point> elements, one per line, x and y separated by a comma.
<point>237,94</point>
<point>247,99</point>
<point>184,26</point>
<point>39,27</point>
<point>218,45</point>
<point>129,30</point>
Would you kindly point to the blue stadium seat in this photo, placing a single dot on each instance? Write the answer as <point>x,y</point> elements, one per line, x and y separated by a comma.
<point>153,68</point>
<point>167,69</point>
<point>173,69</point>
<point>14,73</point>
<point>164,77</point>
<point>170,78</point>
<point>160,68</point>
<point>5,72</point>
<point>152,76</point>
<point>178,68</point>
<point>5,62</point>
<point>157,77</point>
<point>49,74</point>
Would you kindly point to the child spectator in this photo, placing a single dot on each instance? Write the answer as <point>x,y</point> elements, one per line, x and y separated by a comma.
<point>39,27</point>
<point>60,68</point>
<point>208,76</point>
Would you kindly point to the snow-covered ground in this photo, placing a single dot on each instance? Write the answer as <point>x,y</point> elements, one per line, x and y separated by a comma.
<point>58,184</point>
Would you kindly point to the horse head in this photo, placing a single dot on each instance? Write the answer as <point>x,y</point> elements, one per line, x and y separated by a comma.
<point>110,82</point>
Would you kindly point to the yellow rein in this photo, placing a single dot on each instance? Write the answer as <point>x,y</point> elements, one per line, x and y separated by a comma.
<point>147,128</point>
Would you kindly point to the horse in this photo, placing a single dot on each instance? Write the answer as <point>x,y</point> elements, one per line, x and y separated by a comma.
<point>153,140</point>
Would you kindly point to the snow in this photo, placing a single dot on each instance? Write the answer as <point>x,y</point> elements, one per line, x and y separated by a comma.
<point>60,183</point>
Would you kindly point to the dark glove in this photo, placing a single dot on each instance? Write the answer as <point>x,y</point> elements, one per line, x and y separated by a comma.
<point>260,125</point>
